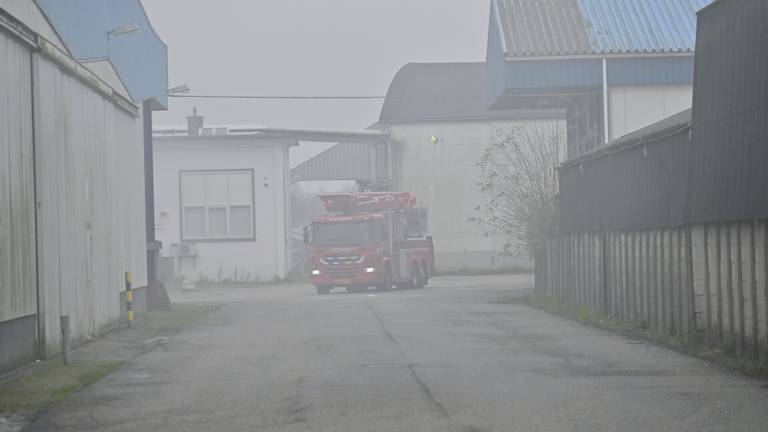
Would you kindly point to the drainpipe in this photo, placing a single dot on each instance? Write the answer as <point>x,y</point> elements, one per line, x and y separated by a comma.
<point>157,297</point>
<point>606,125</point>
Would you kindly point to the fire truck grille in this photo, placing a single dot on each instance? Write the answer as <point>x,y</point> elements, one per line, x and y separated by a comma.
<point>342,260</point>
<point>341,272</point>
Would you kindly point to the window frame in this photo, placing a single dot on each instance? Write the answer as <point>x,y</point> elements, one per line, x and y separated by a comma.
<point>206,206</point>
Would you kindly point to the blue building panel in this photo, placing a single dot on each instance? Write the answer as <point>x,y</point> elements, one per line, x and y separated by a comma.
<point>651,71</point>
<point>641,26</point>
<point>553,73</point>
<point>140,58</point>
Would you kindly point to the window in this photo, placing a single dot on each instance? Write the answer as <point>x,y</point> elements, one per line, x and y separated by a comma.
<point>332,234</point>
<point>216,205</point>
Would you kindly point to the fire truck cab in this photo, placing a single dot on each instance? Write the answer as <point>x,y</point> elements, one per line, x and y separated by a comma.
<point>370,240</point>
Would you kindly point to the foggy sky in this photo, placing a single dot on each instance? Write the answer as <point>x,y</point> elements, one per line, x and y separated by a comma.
<point>298,47</point>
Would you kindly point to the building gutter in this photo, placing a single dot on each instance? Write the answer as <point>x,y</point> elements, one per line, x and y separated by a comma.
<point>600,56</point>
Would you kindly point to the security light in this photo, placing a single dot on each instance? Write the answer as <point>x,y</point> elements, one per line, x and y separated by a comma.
<point>124,29</point>
<point>180,89</point>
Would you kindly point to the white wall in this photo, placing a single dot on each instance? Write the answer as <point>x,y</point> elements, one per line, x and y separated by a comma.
<point>444,176</point>
<point>90,190</point>
<point>18,289</point>
<point>635,107</point>
<point>263,259</point>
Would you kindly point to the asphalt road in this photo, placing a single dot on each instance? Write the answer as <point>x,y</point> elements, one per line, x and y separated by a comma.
<point>451,357</point>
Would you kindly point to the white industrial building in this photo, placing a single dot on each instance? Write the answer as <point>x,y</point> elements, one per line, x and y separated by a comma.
<point>71,185</point>
<point>439,126</point>
<point>222,207</point>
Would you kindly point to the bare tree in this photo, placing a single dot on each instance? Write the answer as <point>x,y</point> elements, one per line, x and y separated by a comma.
<point>519,178</point>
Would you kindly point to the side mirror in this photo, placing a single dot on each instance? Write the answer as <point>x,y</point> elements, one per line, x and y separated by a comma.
<point>305,233</point>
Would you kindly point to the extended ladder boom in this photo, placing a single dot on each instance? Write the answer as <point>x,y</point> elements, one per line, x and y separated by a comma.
<point>368,202</point>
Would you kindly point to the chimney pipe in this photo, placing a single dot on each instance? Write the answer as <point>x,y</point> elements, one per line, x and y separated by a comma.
<point>194,123</point>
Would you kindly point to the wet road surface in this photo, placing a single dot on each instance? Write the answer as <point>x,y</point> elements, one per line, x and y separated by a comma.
<point>452,357</point>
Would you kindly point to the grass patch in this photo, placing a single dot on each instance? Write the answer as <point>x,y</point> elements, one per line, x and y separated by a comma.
<point>695,347</point>
<point>508,270</point>
<point>36,389</point>
<point>33,391</point>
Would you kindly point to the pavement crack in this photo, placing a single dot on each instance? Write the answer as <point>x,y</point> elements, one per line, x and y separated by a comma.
<point>436,405</point>
<point>384,328</point>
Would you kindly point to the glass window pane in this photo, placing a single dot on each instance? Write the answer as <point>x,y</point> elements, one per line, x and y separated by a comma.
<point>240,188</point>
<point>192,189</point>
<point>241,221</point>
<point>216,189</point>
<point>194,222</point>
<point>217,222</point>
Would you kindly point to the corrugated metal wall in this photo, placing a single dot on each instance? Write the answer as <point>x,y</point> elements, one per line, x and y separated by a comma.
<point>730,117</point>
<point>17,256</point>
<point>640,187</point>
<point>91,191</point>
<point>18,289</point>
<point>346,161</point>
<point>703,282</point>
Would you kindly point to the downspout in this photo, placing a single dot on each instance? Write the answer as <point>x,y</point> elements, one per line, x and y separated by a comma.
<point>157,297</point>
<point>41,350</point>
<point>606,125</point>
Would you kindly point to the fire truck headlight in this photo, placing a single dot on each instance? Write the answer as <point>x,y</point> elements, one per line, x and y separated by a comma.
<point>315,272</point>
<point>370,269</point>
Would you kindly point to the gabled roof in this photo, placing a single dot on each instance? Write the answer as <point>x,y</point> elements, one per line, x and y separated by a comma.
<point>536,28</point>
<point>443,92</point>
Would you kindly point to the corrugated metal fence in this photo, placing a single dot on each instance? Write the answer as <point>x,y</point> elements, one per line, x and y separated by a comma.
<point>705,281</point>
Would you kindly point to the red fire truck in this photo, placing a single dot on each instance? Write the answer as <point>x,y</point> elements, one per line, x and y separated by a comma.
<point>378,239</point>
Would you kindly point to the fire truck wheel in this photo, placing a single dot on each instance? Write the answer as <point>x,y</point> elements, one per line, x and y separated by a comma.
<point>323,290</point>
<point>385,284</point>
<point>421,277</point>
<point>425,271</point>
<point>414,279</point>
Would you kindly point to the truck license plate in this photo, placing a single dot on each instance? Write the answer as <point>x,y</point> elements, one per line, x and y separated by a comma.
<point>344,281</point>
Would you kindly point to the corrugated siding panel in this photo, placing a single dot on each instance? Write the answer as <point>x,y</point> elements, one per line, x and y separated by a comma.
<point>543,27</point>
<point>635,188</point>
<point>638,26</point>
<point>344,161</point>
<point>730,117</point>
<point>18,290</point>
<point>91,193</point>
<point>568,27</point>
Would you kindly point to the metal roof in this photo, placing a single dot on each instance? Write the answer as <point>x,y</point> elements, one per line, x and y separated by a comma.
<point>534,28</point>
<point>344,161</point>
<point>655,132</point>
<point>444,92</point>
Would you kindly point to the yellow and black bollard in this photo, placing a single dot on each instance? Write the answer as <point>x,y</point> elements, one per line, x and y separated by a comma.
<point>129,297</point>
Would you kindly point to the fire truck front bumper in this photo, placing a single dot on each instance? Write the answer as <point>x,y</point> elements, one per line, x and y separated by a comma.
<point>340,276</point>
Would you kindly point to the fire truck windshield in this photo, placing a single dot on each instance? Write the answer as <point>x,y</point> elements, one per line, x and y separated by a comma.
<point>339,234</point>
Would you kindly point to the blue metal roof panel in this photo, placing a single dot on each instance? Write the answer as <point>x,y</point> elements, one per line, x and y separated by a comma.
<point>641,26</point>
<point>576,27</point>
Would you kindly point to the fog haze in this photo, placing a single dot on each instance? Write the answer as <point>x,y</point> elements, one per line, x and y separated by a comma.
<point>330,47</point>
